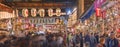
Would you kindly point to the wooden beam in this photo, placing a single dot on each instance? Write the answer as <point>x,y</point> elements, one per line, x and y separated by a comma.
<point>40,5</point>
<point>1,1</point>
<point>5,8</point>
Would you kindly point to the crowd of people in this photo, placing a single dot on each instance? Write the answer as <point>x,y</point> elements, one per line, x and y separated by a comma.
<point>62,39</point>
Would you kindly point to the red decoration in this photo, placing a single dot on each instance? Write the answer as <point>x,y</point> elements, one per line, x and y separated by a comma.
<point>118,30</point>
<point>98,12</point>
<point>32,25</point>
<point>27,26</point>
<point>104,14</point>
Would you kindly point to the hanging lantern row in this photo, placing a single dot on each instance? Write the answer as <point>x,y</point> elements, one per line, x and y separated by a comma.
<point>41,12</point>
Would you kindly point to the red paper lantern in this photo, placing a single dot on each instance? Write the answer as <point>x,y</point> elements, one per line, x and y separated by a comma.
<point>98,12</point>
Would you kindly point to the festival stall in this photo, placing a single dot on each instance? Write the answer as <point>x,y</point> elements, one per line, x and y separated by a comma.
<point>34,20</point>
<point>101,17</point>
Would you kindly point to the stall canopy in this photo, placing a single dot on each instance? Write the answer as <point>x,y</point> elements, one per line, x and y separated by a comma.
<point>88,13</point>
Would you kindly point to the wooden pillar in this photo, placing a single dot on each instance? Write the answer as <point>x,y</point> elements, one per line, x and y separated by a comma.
<point>80,7</point>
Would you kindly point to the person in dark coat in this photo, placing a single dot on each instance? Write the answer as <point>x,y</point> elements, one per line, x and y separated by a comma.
<point>93,41</point>
<point>87,38</point>
<point>53,43</point>
<point>81,39</point>
<point>97,37</point>
<point>111,41</point>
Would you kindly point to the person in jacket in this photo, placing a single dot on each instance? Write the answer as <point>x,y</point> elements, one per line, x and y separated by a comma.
<point>93,40</point>
<point>102,42</point>
<point>111,41</point>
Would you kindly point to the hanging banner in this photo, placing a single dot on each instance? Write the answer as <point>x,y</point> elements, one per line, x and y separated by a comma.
<point>88,13</point>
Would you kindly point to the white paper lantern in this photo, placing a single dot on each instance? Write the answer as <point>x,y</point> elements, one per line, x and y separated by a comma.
<point>42,12</point>
<point>58,11</point>
<point>33,12</point>
<point>25,12</point>
<point>50,12</point>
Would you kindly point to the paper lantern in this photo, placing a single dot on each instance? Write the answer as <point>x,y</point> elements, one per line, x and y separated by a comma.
<point>50,12</point>
<point>98,12</point>
<point>25,12</point>
<point>58,11</point>
<point>41,12</point>
<point>33,12</point>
